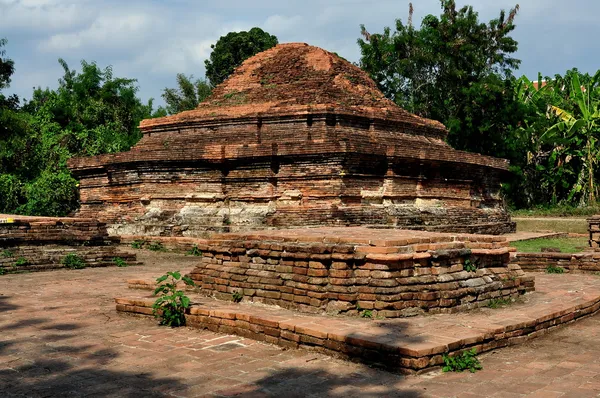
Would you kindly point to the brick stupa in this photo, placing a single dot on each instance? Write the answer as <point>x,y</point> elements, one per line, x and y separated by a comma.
<point>296,137</point>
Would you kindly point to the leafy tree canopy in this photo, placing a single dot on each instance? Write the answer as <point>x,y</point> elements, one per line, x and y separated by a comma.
<point>188,94</point>
<point>234,48</point>
<point>454,69</point>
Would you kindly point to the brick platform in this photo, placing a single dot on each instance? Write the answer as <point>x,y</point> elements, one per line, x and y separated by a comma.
<point>392,273</point>
<point>41,243</point>
<point>407,345</point>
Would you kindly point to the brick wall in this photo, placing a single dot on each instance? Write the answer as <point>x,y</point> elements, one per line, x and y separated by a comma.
<point>347,270</point>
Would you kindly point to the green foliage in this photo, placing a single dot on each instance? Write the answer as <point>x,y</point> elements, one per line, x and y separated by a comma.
<point>234,48</point>
<point>459,363</point>
<point>552,269</point>
<point>51,194</point>
<point>138,244</point>
<point>156,247</point>
<point>119,262</point>
<point>188,94</point>
<point>469,265</point>
<point>21,262</point>
<point>171,305</point>
<point>73,261</point>
<point>566,245</point>
<point>454,69</point>
<point>366,314</point>
<point>194,251</point>
<point>236,297</point>
<point>90,113</point>
<point>500,302</point>
<point>7,253</point>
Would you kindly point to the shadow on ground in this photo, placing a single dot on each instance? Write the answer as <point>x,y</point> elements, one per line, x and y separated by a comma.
<point>42,358</point>
<point>297,382</point>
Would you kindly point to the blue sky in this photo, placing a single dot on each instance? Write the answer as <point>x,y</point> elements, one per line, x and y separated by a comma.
<point>153,40</point>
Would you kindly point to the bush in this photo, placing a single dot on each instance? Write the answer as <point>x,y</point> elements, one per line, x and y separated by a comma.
<point>11,192</point>
<point>73,261</point>
<point>51,194</point>
<point>465,361</point>
<point>171,305</point>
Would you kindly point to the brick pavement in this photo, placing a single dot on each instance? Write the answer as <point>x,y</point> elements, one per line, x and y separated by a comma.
<point>60,336</point>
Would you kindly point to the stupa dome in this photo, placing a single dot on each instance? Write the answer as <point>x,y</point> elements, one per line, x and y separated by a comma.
<point>296,78</point>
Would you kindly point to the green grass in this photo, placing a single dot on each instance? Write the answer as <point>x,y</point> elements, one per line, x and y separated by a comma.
<point>557,211</point>
<point>566,245</point>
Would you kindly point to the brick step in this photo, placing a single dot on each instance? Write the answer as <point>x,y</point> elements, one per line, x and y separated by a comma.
<point>406,345</point>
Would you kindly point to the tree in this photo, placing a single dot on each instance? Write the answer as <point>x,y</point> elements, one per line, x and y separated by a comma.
<point>234,48</point>
<point>91,112</point>
<point>187,96</point>
<point>580,129</point>
<point>454,69</point>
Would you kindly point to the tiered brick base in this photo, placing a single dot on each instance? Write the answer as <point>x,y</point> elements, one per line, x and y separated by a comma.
<point>41,243</point>
<point>407,345</point>
<point>391,273</point>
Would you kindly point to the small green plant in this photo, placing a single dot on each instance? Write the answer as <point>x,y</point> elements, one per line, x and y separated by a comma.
<point>7,253</point>
<point>119,262</point>
<point>552,269</point>
<point>21,262</point>
<point>171,305</point>
<point>469,266</point>
<point>2,271</point>
<point>465,361</point>
<point>73,261</point>
<point>366,314</point>
<point>138,244</point>
<point>157,247</point>
<point>501,302</point>
<point>194,251</point>
<point>236,297</point>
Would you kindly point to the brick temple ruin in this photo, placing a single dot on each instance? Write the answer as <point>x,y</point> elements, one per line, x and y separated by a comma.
<point>296,137</point>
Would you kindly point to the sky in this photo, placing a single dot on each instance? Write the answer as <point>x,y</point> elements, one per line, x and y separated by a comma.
<point>153,40</point>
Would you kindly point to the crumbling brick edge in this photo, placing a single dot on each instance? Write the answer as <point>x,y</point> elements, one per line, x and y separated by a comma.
<point>382,352</point>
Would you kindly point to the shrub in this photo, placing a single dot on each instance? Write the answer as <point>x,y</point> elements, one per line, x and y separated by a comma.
<point>194,251</point>
<point>138,244</point>
<point>465,361</point>
<point>119,262</point>
<point>171,305</point>
<point>552,269</point>
<point>73,261</point>
<point>21,262</point>
<point>236,297</point>
<point>156,247</point>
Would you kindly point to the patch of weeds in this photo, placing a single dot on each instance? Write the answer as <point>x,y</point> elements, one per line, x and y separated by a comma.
<point>465,361</point>
<point>236,297</point>
<point>21,262</point>
<point>171,305</point>
<point>138,244</point>
<point>166,144</point>
<point>469,265</point>
<point>7,253</point>
<point>2,271</point>
<point>73,261</point>
<point>235,97</point>
<point>194,251</point>
<point>501,302</point>
<point>363,312</point>
<point>119,262</point>
<point>157,247</point>
<point>552,269</point>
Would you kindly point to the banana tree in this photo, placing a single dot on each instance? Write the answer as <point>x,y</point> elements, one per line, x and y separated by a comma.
<point>580,129</point>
